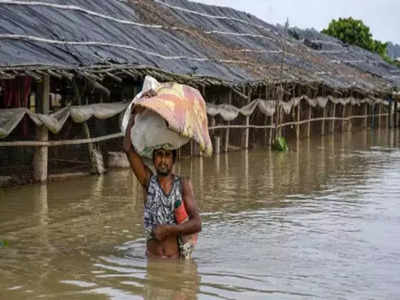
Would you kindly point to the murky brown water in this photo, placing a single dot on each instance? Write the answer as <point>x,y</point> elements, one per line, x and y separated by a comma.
<point>319,222</point>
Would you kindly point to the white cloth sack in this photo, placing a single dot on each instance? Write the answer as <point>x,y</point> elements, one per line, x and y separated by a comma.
<point>150,131</point>
<point>149,84</point>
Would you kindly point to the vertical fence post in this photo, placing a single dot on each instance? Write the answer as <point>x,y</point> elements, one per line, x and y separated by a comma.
<point>380,115</point>
<point>217,145</point>
<point>323,121</point>
<point>309,120</point>
<point>350,115</point>
<point>343,116</point>
<point>227,129</point>
<point>333,118</point>
<point>266,117</point>
<point>40,158</point>
<point>388,110</point>
<point>365,115</point>
<point>247,131</point>
<point>271,130</point>
<point>298,120</point>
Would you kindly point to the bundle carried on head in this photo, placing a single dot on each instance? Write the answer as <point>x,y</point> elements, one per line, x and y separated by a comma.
<point>168,117</point>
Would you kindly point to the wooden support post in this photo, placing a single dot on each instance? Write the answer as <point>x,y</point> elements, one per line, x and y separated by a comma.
<point>373,117</point>
<point>213,122</point>
<point>217,145</point>
<point>247,130</point>
<point>95,155</point>
<point>333,120</point>
<point>227,129</point>
<point>266,119</point>
<point>343,116</point>
<point>271,130</point>
<point>350,122</point>
<point>266,131</point>
<point>380,115</point>
<point>388,117</point>
<point>365,115</point>
<point>40,158</point>
<point>309,121</point>
<point>298,121</point>
<point>396,124</point>
<point>323,121</point>
<point>227,139</point>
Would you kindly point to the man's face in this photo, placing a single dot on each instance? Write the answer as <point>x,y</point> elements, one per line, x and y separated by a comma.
<point>163,161</point>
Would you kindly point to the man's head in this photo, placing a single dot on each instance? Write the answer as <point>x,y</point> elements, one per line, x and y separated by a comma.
<point>163,161</point>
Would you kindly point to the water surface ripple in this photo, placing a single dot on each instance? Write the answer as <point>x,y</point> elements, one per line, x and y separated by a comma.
<point>319,222</point>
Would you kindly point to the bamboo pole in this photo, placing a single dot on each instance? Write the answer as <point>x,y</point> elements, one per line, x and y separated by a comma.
<point>40,158</point>
<point>277,105</point>
<point>373,117</point>
<point>323,121</point>
<point>309,121</point>
<point>366,115</point>
<point>271,129</point>
<point>265,131</point>
<point>59,143</point>
<point>217,145</point>
<point>380,115</point>
<point>298,121</point>
<point>266,118</point>
<point>343,117</point>
<point>350,123</point>
<point>247,130</point>
<point>95,156</point>
<point>388,115</point>
<point>212,124</point>
<point>333,120</point>
<point>227,129</point>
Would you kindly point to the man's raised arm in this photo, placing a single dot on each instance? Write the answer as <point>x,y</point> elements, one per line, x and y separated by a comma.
<point>142,172</point>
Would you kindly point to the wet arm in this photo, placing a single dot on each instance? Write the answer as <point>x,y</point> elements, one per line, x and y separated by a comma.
<point>193,225</point>
<point>141,171</point>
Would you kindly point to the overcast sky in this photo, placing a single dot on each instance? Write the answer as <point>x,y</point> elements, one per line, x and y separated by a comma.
<point>381,16</point>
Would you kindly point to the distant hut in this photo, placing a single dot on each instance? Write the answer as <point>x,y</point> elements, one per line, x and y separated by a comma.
<point>67,73</point>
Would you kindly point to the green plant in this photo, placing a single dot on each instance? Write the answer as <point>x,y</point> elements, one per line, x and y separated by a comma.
<point>280,144</point>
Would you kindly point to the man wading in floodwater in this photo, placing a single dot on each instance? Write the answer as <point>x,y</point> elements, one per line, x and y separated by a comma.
<point>165,195</point>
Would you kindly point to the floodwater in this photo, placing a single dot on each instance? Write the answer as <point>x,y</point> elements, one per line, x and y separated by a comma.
<point>319,222</point>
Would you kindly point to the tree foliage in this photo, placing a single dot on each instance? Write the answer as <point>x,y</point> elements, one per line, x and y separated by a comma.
<point>355,32</point>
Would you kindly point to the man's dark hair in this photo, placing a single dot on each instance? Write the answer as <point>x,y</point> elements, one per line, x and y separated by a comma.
<point>174,154</point>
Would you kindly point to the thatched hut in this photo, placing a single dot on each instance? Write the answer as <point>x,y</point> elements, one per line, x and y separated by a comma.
<point>68,70</point>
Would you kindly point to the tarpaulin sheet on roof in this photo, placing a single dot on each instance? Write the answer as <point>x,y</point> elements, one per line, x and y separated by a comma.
<point>176,36</point>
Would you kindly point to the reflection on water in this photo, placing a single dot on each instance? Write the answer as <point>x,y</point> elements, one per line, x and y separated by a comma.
<point>321,221</point>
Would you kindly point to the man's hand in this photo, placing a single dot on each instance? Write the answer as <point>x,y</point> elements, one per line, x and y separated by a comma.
<point>148,94</point>
<point>161,232</point>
